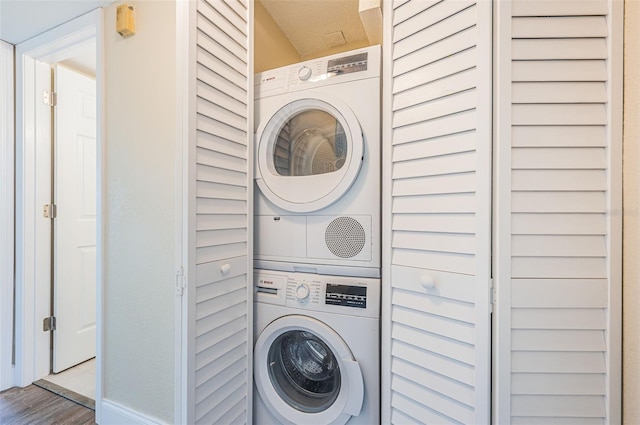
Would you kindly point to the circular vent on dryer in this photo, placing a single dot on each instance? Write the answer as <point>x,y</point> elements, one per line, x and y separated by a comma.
<point>345,237</point>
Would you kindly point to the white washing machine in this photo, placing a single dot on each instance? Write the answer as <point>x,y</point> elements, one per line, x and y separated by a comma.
<point>317,166</point>
<point>316,352</point>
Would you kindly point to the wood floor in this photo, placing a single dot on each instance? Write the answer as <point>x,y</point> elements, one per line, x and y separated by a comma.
<point>36,406</point>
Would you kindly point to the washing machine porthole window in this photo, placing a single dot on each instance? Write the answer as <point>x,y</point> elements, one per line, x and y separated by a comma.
<point>304,371</point>
<point>289,399</point>
<point>309,143</point>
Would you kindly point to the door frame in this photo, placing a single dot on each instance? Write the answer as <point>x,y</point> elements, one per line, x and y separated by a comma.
<point>185,186</point>
<point>6,213</point>
<point>52,46</point>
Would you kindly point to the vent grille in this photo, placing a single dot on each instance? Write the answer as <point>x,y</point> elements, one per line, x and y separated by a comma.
<point>345,237</point>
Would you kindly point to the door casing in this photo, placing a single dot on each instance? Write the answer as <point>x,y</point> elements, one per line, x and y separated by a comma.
<point>6,214</point>
<point>50,47</point>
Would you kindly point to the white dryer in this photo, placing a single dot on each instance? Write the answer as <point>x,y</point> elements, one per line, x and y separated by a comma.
<point>317,166</point>
<point>316,352</point>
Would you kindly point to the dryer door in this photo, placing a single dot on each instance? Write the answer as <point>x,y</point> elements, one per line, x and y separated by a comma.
<point>309,153</point>
<point>306,374</point>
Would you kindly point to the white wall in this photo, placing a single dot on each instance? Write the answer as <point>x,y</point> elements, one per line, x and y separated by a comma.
<point>631,248</point>
<point>140,127</point>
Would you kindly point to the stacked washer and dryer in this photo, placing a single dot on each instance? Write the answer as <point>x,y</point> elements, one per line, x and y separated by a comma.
<point>317,241</point>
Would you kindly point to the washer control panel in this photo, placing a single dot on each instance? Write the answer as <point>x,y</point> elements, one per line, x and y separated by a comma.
<point>304,290</point>
<point>313,292</point>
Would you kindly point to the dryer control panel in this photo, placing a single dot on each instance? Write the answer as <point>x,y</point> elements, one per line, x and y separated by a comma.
<point>343,67</point>
<point>348,64</point>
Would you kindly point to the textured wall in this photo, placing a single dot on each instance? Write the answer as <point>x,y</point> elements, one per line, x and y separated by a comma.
<point>139,218</point>
<point>272,49</point>
<point>631,259</point>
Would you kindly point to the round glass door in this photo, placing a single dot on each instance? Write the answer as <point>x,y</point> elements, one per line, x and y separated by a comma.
<point>309,153</point>
<point>304,371</point>
<point>309,143</point>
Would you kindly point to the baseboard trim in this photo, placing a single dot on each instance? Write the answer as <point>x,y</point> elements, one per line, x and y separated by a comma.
<point>116,414</point>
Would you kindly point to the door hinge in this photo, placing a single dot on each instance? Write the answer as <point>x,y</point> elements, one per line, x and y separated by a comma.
<point>50,98</point>
<point>181,281</point>
<point>49,324</point>
<point>492,296</point>
<point>49,210</point>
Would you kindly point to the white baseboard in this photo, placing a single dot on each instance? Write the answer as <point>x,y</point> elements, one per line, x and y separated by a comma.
<point>116,414</point>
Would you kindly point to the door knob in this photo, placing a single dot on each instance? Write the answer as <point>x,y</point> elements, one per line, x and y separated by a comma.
<point>427,282</point>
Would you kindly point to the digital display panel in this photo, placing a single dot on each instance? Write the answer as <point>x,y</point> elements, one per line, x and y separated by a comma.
<point>348,64</point>
<point>346,295</point>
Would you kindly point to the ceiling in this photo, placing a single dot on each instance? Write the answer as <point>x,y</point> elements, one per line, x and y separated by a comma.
<point>307,23</point>
<point>21,20</point>
<point>310,25</point>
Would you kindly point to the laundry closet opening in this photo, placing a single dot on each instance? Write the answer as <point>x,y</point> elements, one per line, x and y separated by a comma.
<point>317,213</point>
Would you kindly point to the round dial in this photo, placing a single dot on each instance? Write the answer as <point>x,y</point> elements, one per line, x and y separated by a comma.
<point>304,73</point>
<point>302,291</point>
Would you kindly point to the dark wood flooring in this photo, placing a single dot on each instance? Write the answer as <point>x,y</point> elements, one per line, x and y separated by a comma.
<point>36,406</point>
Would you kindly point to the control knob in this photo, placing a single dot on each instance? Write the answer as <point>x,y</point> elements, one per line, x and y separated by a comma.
<point>304,73</point>
<point>302,291</point>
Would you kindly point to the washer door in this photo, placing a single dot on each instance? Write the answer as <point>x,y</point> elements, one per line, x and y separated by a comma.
<point>309,153</point>
<point>306,374</point>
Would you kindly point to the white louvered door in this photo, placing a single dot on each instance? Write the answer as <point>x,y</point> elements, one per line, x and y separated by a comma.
<point>220,275</point>
<point>559,144</point>
<point>437,183</point>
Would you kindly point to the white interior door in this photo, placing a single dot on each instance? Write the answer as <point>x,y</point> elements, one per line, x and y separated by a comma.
<point>220,239</point>
<point>558,142</point>
<point>74,256</point>
<point>437,186</point>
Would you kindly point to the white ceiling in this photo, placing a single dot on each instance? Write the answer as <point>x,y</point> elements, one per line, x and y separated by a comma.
<point>22,19</point>
<point>305,23</point>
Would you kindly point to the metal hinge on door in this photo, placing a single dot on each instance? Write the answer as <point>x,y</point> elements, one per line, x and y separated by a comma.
<point>492,295</point>
<point>50,98</point>
<point>49,211</point>
<point>49,324</point>
<point>181,281</point>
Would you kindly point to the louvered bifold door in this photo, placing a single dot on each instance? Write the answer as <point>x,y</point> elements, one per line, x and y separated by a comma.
<point>437,185</point>
<point>220,294</point>
<point>559,139</point>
